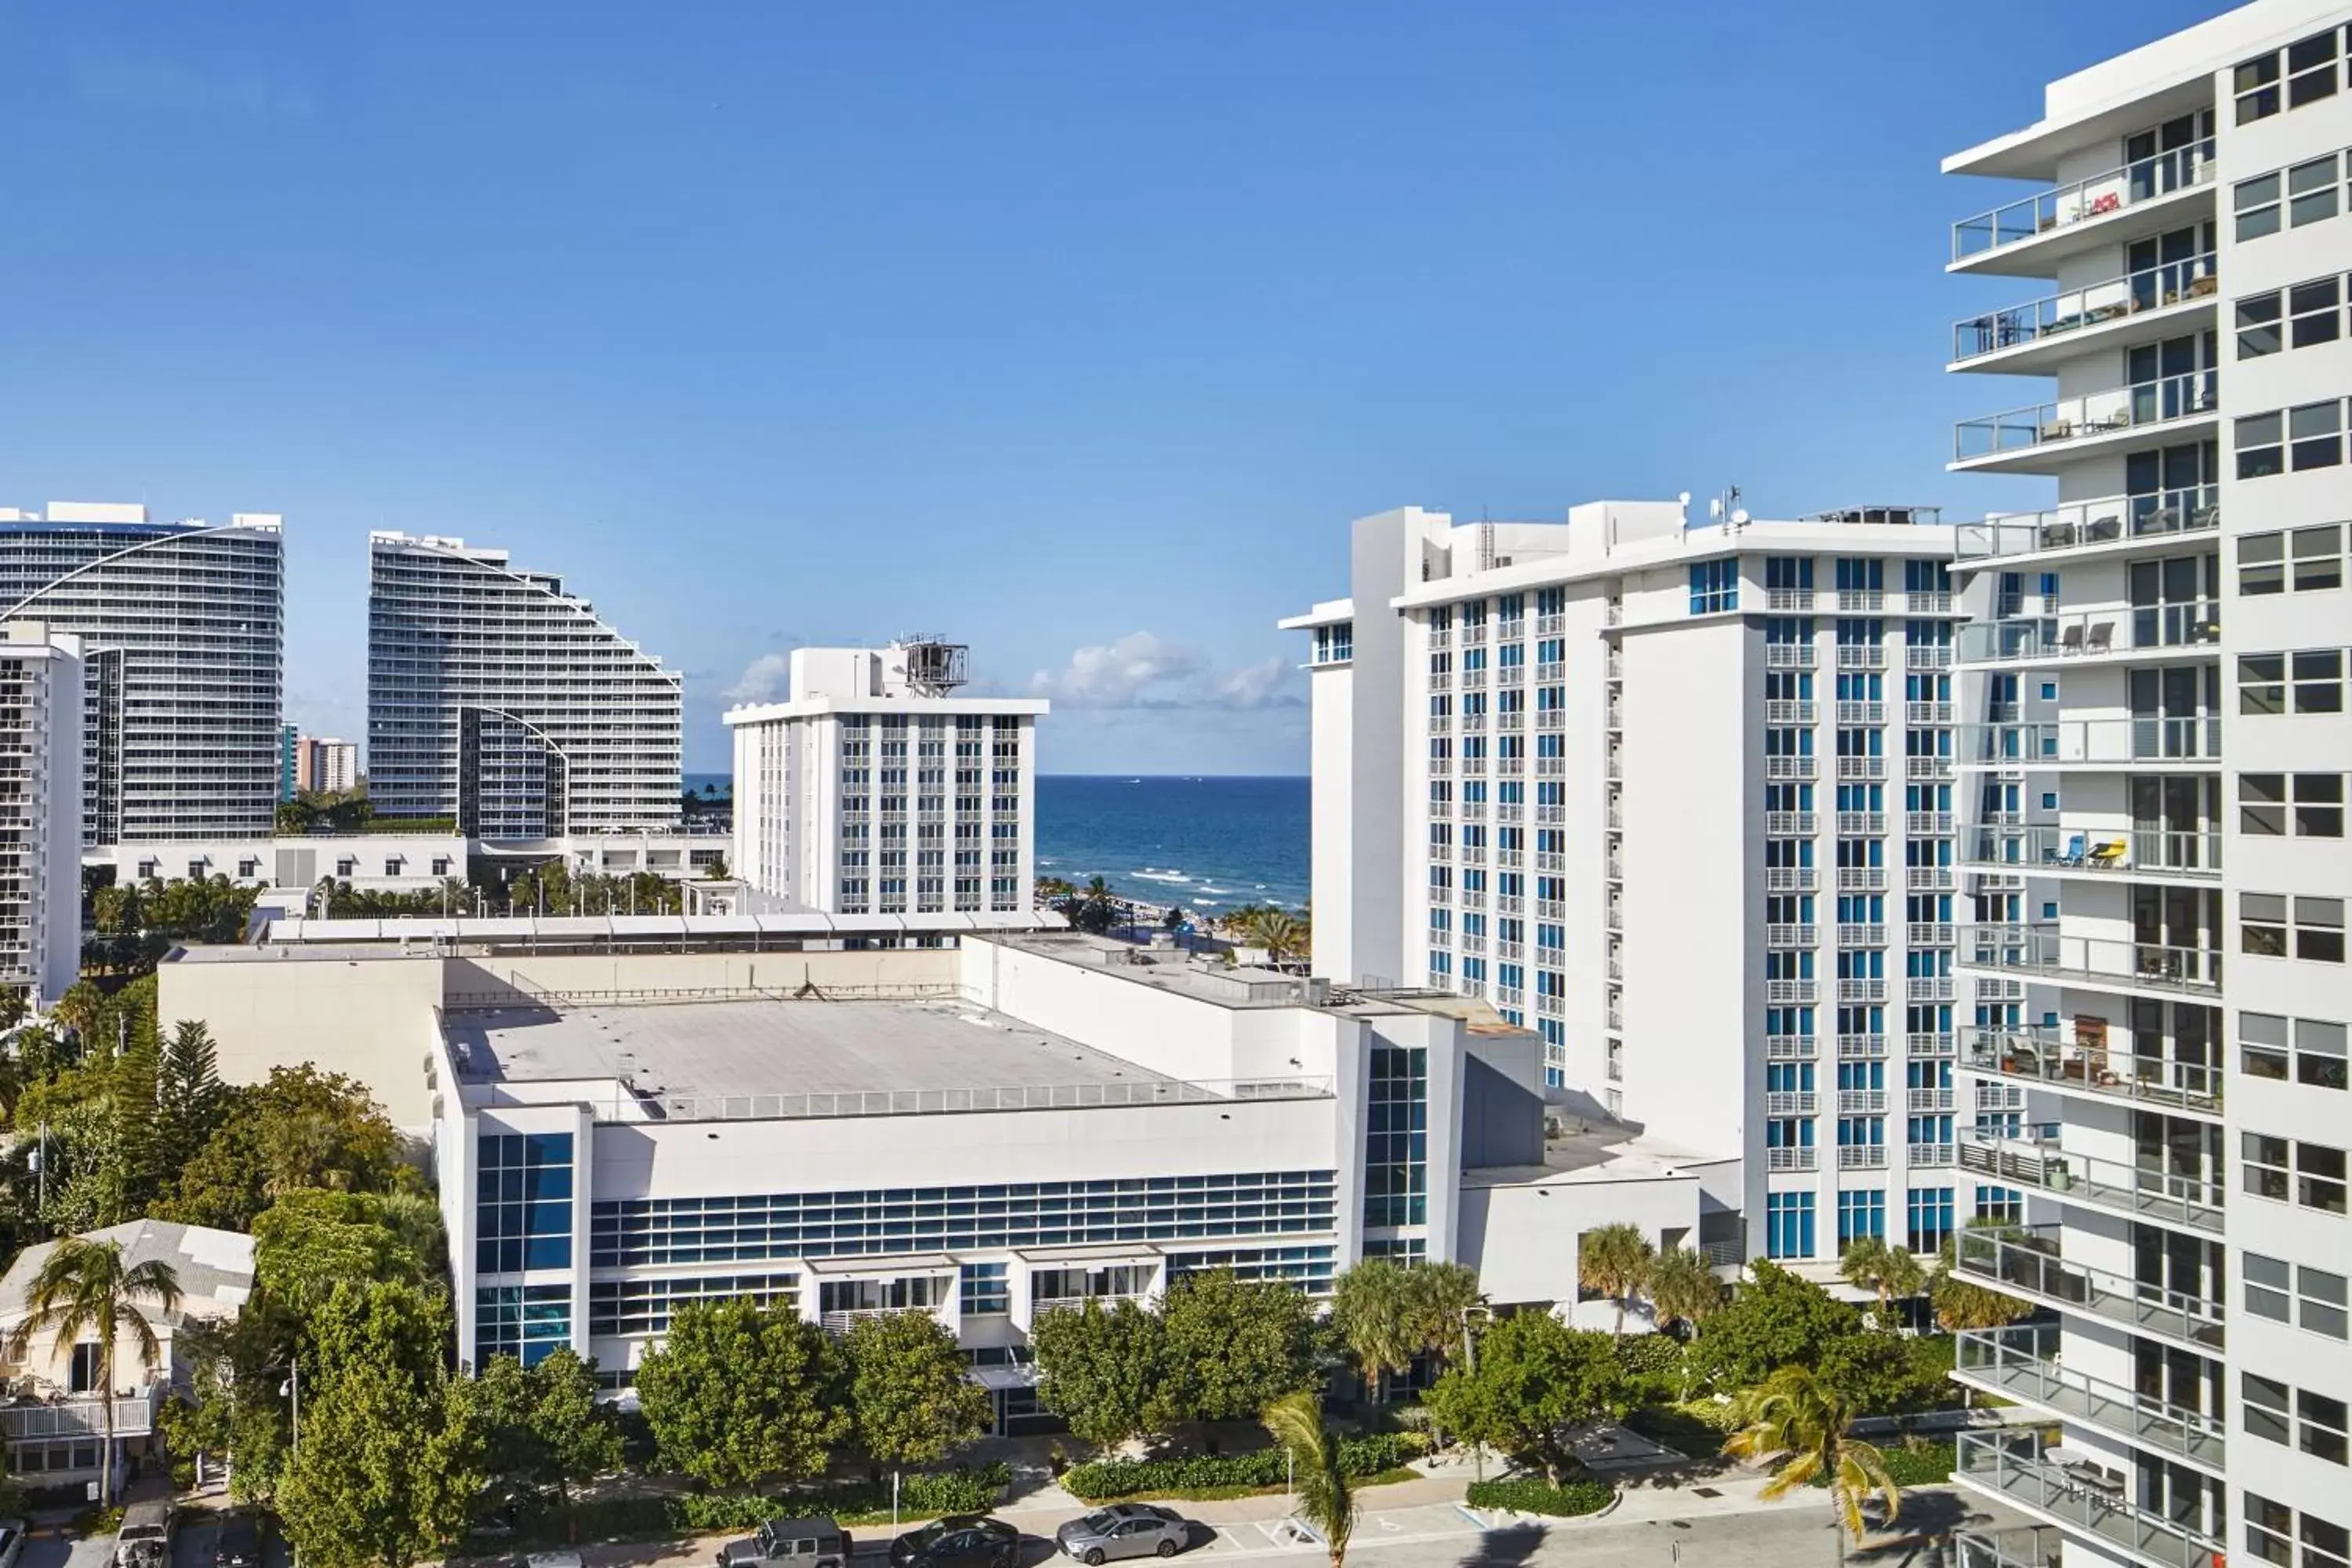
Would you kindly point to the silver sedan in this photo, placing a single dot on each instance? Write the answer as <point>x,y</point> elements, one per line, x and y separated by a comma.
<point>1125,1529</point>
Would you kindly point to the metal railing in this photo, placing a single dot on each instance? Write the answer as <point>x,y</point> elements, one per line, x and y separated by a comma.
<point>2026,1261</point>
<point>2066,743</point>
<point>2073,310</point>
<point>2171,1198</point>
<point>2026,1546</point>
<point>952,1101</point>
<point>2109,519</point>
<point>2167,398</point>
<point>2021,1362</point>
<point>2045,846</point>
<point>2012,1466</point>
<point>134,1415</point>
<point>1789,1158</point>
<point>2041,949</point>
<point>2041,1056</point>
<point>2014,222</point>
<point>1862,1156</point>
<point>2155,628</point>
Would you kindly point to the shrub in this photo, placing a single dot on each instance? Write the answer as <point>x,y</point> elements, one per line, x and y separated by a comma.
<point>1652,1363</point>
<point>1917,1462</point>
<point>1107,1479</point>
<point>921,1493</point>
<point>1533,1494</point>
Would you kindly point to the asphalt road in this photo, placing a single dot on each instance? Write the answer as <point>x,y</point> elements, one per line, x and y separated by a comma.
<point>193,1548</point>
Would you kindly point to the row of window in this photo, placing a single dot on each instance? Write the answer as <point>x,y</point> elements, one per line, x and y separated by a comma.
<point>2314,556</point>
<point>2305,680</point>
<point>2300,1050</point>
<point>2279,925</point>
<point>2307,192</point>
<point>2300,316</point>
<point>2298,1418</point>
<point>523,1208</point>
<point>530,1322</point>
<point>2301,438</point>
<point>2303,805</point>
<point>2306,71</point>
<point>644,1306</point>
<point>2290,1170</point>
<point>2298,1294</point>
<point>2272,1532</point>
<point>1789,1230</point>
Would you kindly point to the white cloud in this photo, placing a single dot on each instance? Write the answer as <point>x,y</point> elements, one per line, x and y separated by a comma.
<point>764,679</point>
<point>1144,670</point>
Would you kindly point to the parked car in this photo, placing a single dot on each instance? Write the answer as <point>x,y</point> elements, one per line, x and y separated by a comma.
<point>146,1539</point>
<point>958,1540</point>
<point>238,1542</point>
<point>12,1541</point>
<point>812,1543</point>
<point>1125,1529</point>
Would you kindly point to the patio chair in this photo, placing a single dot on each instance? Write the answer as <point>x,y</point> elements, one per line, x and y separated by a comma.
<point>2075,847</point>
<point>2071,640</point>
<point>2108,854</point>
<point>2103,528</point>
<point>2101,638</point>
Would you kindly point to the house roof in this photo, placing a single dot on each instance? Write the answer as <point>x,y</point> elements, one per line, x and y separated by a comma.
<point>214,1266</point>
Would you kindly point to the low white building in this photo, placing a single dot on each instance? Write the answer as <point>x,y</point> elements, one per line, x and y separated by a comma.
<point>875,789</point>
<point>40,809</point>
<point>378,862</point>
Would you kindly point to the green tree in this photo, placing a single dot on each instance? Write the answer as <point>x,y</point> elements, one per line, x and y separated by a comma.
<point>1868,1263</point>
<point>910,1396</point>
<point>83,1289</point>
<point>1962,1303</point>
<point>314,1238</point>
<point>1099,1369</point>
<point>1774,1320</point>
<point>544,1425</point>
<point>188,1091</point>
<point>301,1128</point>
<point>1613,1261</point>
<point>1233,1346</point>
<point>1536,1377</point>
<point>387,1468</point>
<point>1803,1426</point>
<point>1439,1299</point>
<point>739,1394</point>
<point>1683,1289</point>
<point>1318,1476</point>
<point>229,1405</point>
<point>1371,1310</point>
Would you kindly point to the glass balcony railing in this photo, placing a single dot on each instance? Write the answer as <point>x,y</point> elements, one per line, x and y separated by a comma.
<point>2050,847</point>
<point>2045,1059</point>
<point>2054,315</point>
<point>2157,514</point>
<point>2134,628</point>
<point>2183,168</point>
<point>2016,1466</point>
<point>2040,949</point>
<point>2187,1200</point>
<point>2027,1546</point>
<point>2022,1364</point>
<point>2061,742</point>
<point>2160,402</point>
<point>2025,1260</point>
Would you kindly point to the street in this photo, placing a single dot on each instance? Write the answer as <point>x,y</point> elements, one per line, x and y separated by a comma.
<point>192,1549</point>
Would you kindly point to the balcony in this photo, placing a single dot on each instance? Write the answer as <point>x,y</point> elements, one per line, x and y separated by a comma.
<point>1929,878</point>
<point>2017,439</point>
<point>2025,1260</point>
<point>1861,656</point>
<point>1862,1102</point>
<point>2135,742</point>
<point>1788,767</point>
<point>1850,935</point>
<point>1922,1100</point>
<point>2022,1363</point>
<point>1928,712</point>
<point>1781,993</point>
<point>841,1321</point>
<point>1929,988</point>
<point>1923,766</point>
<point>134,1415</point>
<point>2025,337</point>
<point>2045,848</point>
<point>1786,713</point>
<point>1790,1047</point>
<point>1930,933</point>
<point>2012,1466</point>
<point>1862,990</point>
<point>1790,823</point>
<point>2135,1192</point>
<point>1929,1155</point>
<point>1788,878</point>
<point>1789,1158</point>
<point>1862,823</point>
<point>2107,962</point>
<point>2038,1058</point>
<point>1783,600</point>
<point>2153,520</point>
<point>1931,1045</point>
<point>1789,656</point>
<point>1860,768</point>
<point>1862,1156</point>
<point>2190,630</point>
<point>1861,1047</point>
<point>1862,878</point>
<point>2047,222</point>
<point>1791,1103</point>
<point>2028,1546</point>
<point>1861,601</point>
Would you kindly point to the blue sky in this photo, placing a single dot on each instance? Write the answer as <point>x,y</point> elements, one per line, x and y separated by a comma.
<point>1077,331</point>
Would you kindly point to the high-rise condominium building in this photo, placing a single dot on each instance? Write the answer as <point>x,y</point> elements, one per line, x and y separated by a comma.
<point>183,632</point>
<point>288,739</point>
<point>325,764</point>
<point>498,698</point>
<point>1681,798</point>
<point>877,790</point>
<point>2155,764</point>
<point>41,720</point>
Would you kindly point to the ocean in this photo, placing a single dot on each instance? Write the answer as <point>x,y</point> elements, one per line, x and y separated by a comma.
<point>1209,844</point>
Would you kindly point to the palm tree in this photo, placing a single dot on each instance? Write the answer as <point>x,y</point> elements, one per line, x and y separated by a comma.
<point>1683,1289</point>
<point>82,1289</point>
<point>1800,1424</point>
<point>1614,1261</point>
<point>1438,1298</point>
<point>1370,1307</point>
<point>1324,1501</point>
<point>1964,1304</point>
<point>1868,1263</point>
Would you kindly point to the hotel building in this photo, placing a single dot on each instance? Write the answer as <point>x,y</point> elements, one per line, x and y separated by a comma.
<point>41,715</point>
<point>877,790</point>
<point>1680,798</point>
<point>182,626</point>
<point>496,699</point>
<point>2154,760</point>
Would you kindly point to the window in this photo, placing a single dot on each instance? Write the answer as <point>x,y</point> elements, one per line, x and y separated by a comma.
<point>2266,1162</point>
<point>644,1306</point>
<point>1396,1172</point>
<point>2311,68</point>
<point>2294,1418</point>
<point>2319,1424</point>
<point>2309,1051</point>
<point>2316,556</point>
<point>2269,1408</point>
<point>2319,1177</point>
<point>2260,445</point>
<point>1931,1217</point>
<point>1789,1224</point>
<point>1861,1215</point>
<point>2258,325</point>
<point>2255,86</point>
<point>2316,799</point>
<point>1714,586</point>
<point>2317,927</point>
<point>2315,435</point>
<point>2315,312</point>
<point>2315,1301</point>
<point>2310,195</point>
<point>523,1202</point>
<point>2271,1535</point>
<point>2317,677</point>
<point>2006,1205</point>
<point>2256,208</point>
<point>246,868</point>
<point>529,1322</point>
<point>986,1289</point>
<point>2309,1174</point>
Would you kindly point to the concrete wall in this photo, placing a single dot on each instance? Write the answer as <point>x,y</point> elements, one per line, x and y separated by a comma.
<point>1521,1236</point>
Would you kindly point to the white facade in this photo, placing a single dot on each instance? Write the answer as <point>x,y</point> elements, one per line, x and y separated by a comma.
<point>498,698</point>
<point>2155,767</point>
<point>183,659</point>
<point>1680,798</point>
<point>326,764</point>
<point>380,862</point>
<point>41,714</point>
<point>875,791</point>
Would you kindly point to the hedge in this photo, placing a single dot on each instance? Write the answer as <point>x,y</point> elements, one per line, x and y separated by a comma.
<point>1532,1494</point>
<point>921,1494</point>
<point>1104,1479</point>
<point>1918,1462</point>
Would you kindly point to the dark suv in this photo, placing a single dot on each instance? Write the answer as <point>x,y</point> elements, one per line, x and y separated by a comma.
<point>813,1543</point>
<point>239,1544</point>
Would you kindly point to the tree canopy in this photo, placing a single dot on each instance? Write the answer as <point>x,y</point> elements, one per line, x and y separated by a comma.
<point>1234,1346</point>
<point>738,1395</point>
<point>1099,1369</point>
<point>1536,1376</point>
<point>909,1394</point>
